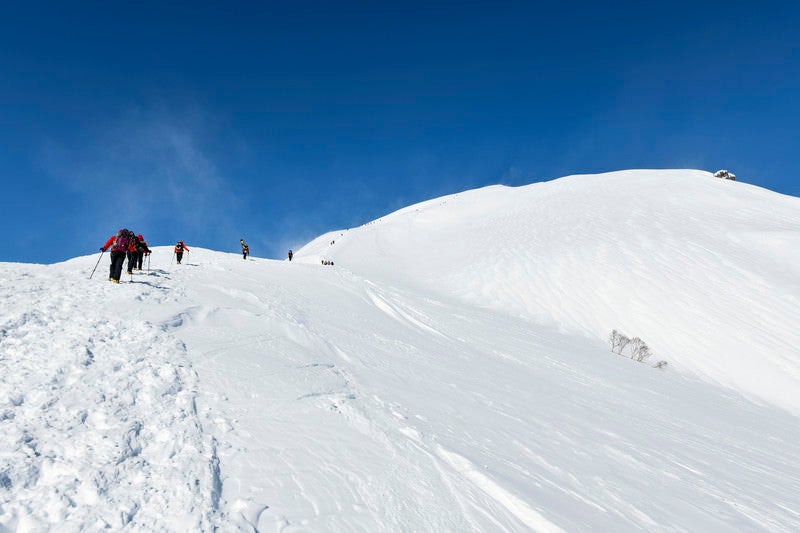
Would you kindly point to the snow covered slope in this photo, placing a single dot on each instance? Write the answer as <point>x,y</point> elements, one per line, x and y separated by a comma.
<point>445,375</point>
<point>706,271</point>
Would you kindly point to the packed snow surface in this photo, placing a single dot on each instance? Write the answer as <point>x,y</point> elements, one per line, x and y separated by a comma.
<point>449,372</point>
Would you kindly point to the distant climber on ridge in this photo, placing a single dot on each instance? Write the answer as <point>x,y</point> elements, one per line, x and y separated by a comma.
<point>245,249</point>
<point>290,255</point>
<point>179,249</point>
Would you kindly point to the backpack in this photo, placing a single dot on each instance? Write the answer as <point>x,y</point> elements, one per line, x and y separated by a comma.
<point>179,247</point>
<point>122,241</point>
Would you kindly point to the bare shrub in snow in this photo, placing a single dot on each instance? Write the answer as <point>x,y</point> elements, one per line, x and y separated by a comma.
<point>635,348</point>
<point>639,349</point>
<point>618,342</point>
<point>725,174</point>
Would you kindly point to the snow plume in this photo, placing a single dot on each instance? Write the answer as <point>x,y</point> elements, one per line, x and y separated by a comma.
<point>449,373</point>
<point>148,170</point>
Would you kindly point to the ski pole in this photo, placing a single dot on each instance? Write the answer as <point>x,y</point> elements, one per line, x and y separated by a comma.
<point>148,263</point>
<point>173,259</point>
<point>98,262</point>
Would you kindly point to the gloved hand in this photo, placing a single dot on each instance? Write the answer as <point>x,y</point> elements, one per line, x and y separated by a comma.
<point>102,249</point>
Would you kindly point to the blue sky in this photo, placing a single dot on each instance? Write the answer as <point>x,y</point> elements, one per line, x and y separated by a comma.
<point>275,122</point>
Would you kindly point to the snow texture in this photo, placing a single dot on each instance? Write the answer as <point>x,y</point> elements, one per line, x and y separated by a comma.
<point>449,373</point>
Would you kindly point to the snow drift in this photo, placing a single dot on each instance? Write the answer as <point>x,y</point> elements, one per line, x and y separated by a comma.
<point>449,373</point>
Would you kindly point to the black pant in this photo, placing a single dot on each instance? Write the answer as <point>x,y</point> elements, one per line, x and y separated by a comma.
<point>179,256</point>
<point>131,261</point>
<point>139,260</point>
<point>117,259</point>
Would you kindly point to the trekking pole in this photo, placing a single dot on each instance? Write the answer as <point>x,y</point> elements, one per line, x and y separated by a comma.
<point>148,263</point>
<point>98,262</point>
<point>173,259</point>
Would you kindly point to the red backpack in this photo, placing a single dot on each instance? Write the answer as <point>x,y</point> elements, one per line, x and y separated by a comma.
<point>121,242</point>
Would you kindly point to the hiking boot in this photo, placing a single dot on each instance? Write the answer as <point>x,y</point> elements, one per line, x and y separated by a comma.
<point>114,280</point>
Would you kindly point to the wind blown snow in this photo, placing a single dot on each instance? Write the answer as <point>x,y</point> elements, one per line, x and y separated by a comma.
<point>450,372</point>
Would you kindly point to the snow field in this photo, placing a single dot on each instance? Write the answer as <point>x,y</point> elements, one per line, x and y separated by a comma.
<point>351,405</point>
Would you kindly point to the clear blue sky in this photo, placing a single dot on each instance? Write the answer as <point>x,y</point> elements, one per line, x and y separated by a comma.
<point>275,122</point>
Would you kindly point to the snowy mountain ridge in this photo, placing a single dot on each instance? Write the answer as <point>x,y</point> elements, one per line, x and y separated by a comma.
<point>706,270</point>
<point>449,373</point>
